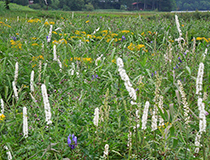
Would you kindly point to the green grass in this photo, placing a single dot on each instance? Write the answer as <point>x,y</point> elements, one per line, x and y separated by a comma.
<point>73,97</point>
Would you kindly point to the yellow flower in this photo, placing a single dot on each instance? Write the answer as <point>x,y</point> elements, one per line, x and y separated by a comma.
<point>87,40</point>
<point>199,38</point>
<point>34,38</point>
<point>34,66</point>
<point>149,32</point>
<point>77,32</point>
<point>113,61</point>
<point>17,34</point>
<point>142,33</point>
<point>89,36</point>
<point>104,31</point>
<point>60,34</point>
<point>205,39</point>
<point>34,44</point>
<point>52,22</point>
<point>2,116</point>
<point>87,21</point>
<point>182,25</point>
<point>108,40</point>
<point>125,31</point>
<point>62,18</point>
<point>41,57</point>
<point>54,32</point>
<point>46,23</point>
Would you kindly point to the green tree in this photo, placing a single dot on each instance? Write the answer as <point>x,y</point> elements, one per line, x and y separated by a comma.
<point>6,4</point>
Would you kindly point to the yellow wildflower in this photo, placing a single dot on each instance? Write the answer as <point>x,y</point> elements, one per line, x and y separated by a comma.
<point>46,23</point>
<point>199,38</point>
<point>17,34</point>
<point>125,31</point>
<point>34,38</point>
<point>52,22</point>
<point>54,32</point>
<point>142,33</point>
<point>34,66</point>
<point>87,40</point>
<point>2,116</point>
<point>113,61</point>
<point>34,44</point>
<point>87,21</point>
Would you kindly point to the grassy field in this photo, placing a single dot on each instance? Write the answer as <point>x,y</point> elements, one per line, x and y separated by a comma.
<point>118,85</point>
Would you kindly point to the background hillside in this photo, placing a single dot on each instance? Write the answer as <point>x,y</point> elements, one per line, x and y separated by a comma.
<point>76,5</point>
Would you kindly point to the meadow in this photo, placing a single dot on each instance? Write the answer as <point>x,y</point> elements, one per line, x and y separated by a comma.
<point>82,85</point>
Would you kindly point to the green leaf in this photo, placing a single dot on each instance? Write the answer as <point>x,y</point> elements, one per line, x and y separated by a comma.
<point>188,69</point>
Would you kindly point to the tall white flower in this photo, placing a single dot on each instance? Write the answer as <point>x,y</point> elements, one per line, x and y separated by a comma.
<point>197,142</point>
<point>199,79</point>
<point>106,150</point>
<point>125,78</point>
<point>54,53</point>
<point>46,104</point>
<point>50,34</point>
<point>129,144</point>
<point>9,155</point>
<point>15,90</point>
<point>205,53</point>
<point>2,106</point>
<point>154,118</point>
<point>96,117</point>
<point>178,25</point>
<point>161,121</point>
<point>16,72</point>
<point>145,115</point>
<point>25,122</point>
<point>184,102</point>
<point>202,116</point>
<point>32,81</point>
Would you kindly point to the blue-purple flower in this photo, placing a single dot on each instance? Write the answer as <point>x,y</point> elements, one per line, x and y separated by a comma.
<point>14,38</point>
<point>180,59</point>
<point>72,141</point>
<point>123,38</point>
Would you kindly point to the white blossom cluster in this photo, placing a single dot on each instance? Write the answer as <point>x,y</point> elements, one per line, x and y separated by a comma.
<point>202,116</point>
<point>180,32</point>
<point>96,117</point>
<point>46,104</point>
<point>199,79</point>
<point>50,34</point>
<point>155,110</point>
<point>32,81</point>
<point>184,102</point>
<point>129,144</point>
<point>2,107</point>
<point>9,155</point>
<point>161,121</point>
<point>15,81</point>
<point>25,122</point>
<point>197,142</point>
<point>126,79</point>
<point>106,151</point>
<point>55,58</point>
<point>145,115</point>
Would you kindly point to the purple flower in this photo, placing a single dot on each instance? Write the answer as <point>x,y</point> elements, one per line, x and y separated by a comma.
<point>72,141</point>
<point>100,17</point>
<point>152,74</point>
<point>123,38</point>
<point>88,15</point>
<point>155,72</point>
<point>14,38</point>
<point>47,37</point>
<point>207,113</point>
<point>96,76</point>
<point>185,53</point>
<point>151,42</point>
<point>180,59</point>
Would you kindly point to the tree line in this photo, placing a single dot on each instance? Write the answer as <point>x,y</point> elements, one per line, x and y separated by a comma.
<point>73,5</point>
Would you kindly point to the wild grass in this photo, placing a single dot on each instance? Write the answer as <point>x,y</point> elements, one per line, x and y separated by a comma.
<point>148,50</point>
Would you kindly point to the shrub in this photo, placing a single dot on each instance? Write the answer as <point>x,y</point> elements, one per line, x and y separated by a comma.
<point>89,7</point>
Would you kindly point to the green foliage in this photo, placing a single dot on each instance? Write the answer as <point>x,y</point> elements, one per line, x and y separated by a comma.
<point>89,7</point>
<point>73,97</point>
<point>7,4</point>
<point>35,6</point>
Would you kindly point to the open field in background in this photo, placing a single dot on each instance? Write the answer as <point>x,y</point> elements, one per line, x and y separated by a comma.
<point>83,72</point>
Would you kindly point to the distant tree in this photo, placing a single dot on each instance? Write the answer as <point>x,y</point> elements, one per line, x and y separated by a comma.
<point>6,4</point>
